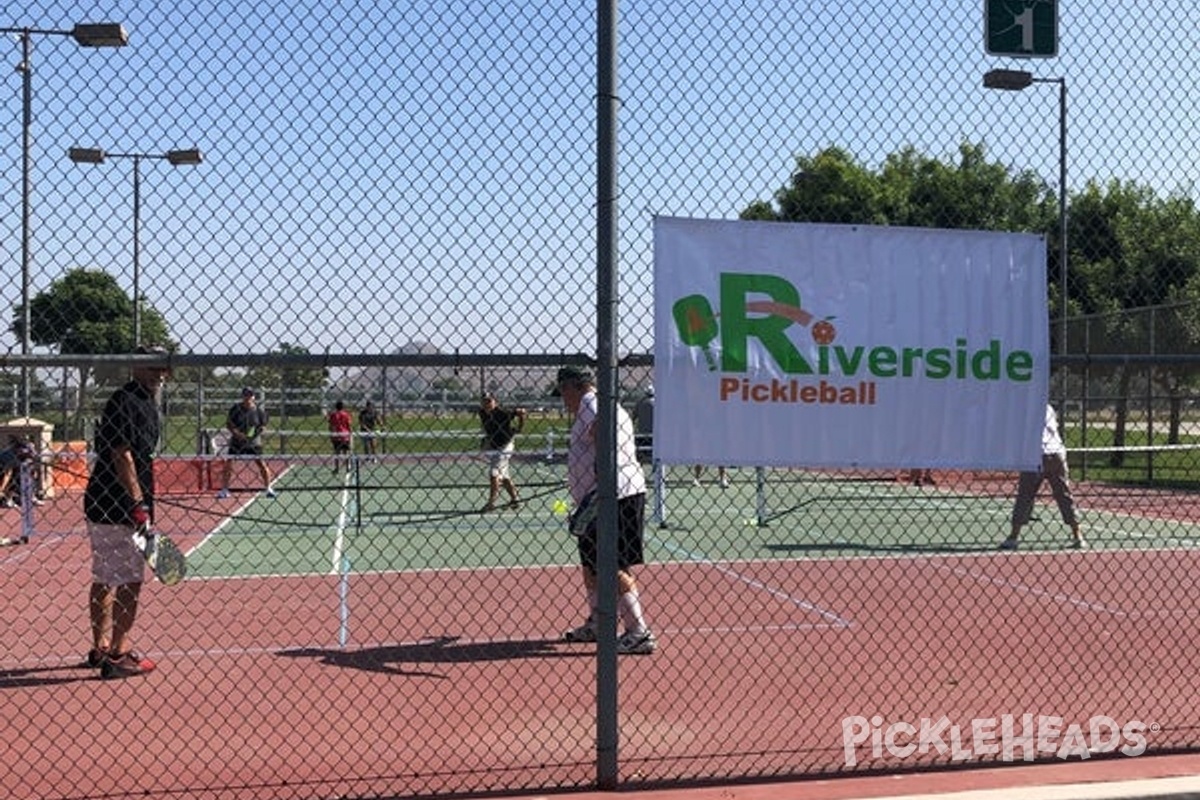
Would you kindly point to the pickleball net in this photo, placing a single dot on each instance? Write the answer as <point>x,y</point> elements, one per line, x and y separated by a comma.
<point>411,486</point>
<point>1156,487</point>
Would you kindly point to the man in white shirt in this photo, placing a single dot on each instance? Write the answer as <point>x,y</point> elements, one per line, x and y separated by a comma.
<point>1054,472</point>
<point>578,391</point>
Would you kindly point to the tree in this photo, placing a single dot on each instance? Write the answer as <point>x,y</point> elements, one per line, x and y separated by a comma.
<point>85,312</point>
<point>911,190</point>
<point>1135,273</point>
<point>829,187</point>
<point>915,190</point>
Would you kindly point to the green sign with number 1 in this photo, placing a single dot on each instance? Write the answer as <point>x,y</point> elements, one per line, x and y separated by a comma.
<point>1021,28</point>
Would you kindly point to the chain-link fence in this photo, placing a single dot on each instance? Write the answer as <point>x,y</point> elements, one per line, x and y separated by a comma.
<point>398,204</point>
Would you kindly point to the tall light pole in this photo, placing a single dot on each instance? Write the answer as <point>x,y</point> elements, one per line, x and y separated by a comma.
<point>89,155</point>
<point>1016,80</point>
<point>104,34</point>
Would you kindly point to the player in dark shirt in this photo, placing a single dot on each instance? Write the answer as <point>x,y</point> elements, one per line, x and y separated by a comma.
<point>246,423</point>
<point>118,498</point>
<point>500,427</point>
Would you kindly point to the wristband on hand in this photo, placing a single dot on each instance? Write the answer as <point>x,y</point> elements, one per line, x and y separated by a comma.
<point>140,515</point>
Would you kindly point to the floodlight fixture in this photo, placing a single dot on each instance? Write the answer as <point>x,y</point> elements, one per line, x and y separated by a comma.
<point>1013,80</point>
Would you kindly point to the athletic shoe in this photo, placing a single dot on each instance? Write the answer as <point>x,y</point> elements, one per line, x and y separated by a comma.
<point>487,507</point>
<point>125,666</point>
<point>724,483</point>
<point>638,643</point>
<point>1079,544</point>
<point>1009,544</point>
<point>223,494</point>
<point>696,482</point>
<point>269,492</point>
<point>95,658</point>
<point>514,505</point>
<point>584,633</point>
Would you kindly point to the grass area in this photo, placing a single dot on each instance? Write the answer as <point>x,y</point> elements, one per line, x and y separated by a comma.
<point>1176,466</point>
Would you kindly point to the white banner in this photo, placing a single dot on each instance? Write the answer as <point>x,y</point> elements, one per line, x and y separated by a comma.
<point>780,344</point>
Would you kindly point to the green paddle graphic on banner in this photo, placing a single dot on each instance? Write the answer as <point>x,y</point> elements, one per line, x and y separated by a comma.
<point>697,324</point>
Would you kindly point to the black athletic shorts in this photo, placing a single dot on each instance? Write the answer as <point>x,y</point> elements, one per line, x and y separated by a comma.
<point>631,516</point>
<point>244,447</point>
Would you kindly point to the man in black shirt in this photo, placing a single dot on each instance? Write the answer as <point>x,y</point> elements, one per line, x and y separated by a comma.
<point>120,497</point>
<point>246,423</point>
<point>368,421</point>
<point>500,426</point>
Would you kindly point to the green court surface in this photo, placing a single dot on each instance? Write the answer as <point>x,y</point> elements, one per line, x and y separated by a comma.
<point>399,517</point>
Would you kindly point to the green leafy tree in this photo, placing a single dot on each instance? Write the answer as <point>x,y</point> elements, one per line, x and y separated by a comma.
<point>913,190</point>
<point>828,187</point>
<point>85,312</point>
<point>1135,275</point>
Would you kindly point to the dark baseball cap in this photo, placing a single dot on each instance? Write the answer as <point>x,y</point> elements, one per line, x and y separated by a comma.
<point>152,350</point>
<point>573,375</point>
<point>247,391</point>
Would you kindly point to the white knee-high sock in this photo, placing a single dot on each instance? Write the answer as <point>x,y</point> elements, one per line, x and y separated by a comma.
<point>630,608</point>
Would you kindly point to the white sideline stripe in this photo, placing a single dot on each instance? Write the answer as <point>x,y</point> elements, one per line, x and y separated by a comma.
<point>1033,591</point>
<point>225,521</point>
<point>228,518</point>
<point>465,641</point>
<point>756,584</point>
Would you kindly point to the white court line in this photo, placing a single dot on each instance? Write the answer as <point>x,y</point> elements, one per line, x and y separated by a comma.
<point>756,584</point>
<point>274,649</point>
<point>1033,591</point>
<point>229,518</point>
<point>224,523</point>
<point>23,552</point>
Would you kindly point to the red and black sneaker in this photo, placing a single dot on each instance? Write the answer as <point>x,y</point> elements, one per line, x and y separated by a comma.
<point>125,666</point>
<point>95,658</point>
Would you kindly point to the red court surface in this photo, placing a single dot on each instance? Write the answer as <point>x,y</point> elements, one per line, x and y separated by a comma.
<point>440,688</point>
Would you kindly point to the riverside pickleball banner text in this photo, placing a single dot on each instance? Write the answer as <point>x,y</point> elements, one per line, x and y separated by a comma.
<point>786,344</point>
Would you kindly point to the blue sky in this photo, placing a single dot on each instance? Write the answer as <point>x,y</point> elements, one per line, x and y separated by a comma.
<point>381,172</point>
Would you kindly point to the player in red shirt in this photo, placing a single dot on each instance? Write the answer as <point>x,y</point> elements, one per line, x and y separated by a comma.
<point>339,435</point>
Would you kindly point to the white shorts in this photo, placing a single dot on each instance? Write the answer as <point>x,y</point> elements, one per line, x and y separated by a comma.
<point>116,561</point>
<point>498,461</point>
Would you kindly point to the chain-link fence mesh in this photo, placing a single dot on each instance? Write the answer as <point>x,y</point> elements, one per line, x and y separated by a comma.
<point>396,204</point>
